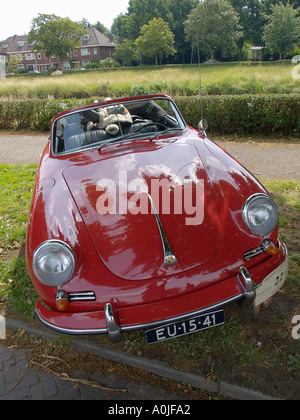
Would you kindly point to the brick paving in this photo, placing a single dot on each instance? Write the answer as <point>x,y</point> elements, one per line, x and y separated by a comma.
<point>19,381</point>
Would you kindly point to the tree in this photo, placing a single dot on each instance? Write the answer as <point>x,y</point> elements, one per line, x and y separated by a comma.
<point>55,35</point>
<point>282,31</point>
<point>98,25</point>
<point>251,19</point>
<point>141,12</point>
<point>13,62</point>
<point>126,53</point>
<point>213,24</point>
<point>156,40</point>
<point>176,15</point>
<point>102,28</point>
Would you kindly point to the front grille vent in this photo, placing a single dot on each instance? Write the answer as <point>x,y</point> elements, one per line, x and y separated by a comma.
<point>248,255</point>
<point>82,296</point>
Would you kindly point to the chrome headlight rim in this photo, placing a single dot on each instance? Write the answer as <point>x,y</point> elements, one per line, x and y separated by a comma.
<point>56,280</point>
<point>245,213</point>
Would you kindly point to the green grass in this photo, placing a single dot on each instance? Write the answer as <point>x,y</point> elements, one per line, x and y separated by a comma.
<point>224,78</point>
<point>251,342</point>
<point>16,189</point>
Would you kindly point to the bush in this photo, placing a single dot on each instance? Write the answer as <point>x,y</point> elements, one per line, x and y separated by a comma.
<point>108,63</point>
<point>33,114</point>
<point>244,114</point>
<point>226,114</point>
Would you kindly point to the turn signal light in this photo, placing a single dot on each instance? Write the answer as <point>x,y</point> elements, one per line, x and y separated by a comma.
<point>61,300</point>
<point>270,248</point>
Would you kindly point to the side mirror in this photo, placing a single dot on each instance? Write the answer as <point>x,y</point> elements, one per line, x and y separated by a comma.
<point>202,126</point>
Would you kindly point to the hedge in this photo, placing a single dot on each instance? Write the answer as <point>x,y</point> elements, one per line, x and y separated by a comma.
<point>245,114</point>
<point>236,114</point>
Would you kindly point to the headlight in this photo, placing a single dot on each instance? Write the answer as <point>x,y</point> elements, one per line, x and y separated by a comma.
<point>260,214</point>
<point>53,263</point>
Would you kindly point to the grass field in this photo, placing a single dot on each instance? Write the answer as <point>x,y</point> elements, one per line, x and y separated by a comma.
<point>232,78</point>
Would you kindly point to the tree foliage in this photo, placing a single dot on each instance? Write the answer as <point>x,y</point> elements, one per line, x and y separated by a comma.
<point>126,52</point>
<point>55,35</point>
<point>212,24</point>
<point>156,40</point>
<point>283,29</point>
<point>141,12</point>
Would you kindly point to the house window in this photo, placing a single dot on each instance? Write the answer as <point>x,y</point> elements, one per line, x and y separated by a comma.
<point>86,37</point>
<point>75,53</point>
<point>29,56</point>
<point>21,43</point>
<point>95,51</point>
<point>85,51</point>
<point>5,45</point>
<point>39,56</point>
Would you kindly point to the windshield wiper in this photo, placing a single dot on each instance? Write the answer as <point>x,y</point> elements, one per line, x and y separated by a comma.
<point>124,137</point>
<point>115,140</point>
<point>168,130</point>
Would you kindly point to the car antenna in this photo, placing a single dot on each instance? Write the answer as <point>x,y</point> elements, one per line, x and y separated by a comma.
<point>202,126</point>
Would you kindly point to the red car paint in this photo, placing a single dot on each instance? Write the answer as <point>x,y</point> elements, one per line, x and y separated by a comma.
<point>119,256</point>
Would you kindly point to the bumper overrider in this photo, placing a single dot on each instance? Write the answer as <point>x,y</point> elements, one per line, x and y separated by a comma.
<point>247,287</point>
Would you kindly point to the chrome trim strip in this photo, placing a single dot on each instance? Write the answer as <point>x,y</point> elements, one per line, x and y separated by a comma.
<point>253,252</point>
<point>71,331</point>
<point>185,316</point>
<point>80,296</point>
<point>169,256</point>
<point>142,326</point>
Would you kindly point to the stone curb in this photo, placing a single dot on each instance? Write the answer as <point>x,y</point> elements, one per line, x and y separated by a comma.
<point>151,366</point>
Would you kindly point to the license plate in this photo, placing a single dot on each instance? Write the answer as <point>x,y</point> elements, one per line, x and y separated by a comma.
<point>177,329</point>
<point>272,283</point>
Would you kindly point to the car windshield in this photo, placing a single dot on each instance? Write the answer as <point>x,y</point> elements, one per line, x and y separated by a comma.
<point>103,124</point>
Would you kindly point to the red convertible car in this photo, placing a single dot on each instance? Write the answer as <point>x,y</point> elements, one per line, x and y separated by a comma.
<point>139,221</point>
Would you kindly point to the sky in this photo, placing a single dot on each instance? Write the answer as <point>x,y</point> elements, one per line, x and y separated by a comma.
<point>16,15</point>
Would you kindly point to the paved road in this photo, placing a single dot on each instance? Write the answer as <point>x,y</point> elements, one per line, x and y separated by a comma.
<point>265,159</point>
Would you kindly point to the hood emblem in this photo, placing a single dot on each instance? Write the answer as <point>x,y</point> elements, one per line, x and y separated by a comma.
<point>169,256</point>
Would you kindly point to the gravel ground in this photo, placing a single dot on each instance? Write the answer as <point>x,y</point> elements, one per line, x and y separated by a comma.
<point>264,159</point>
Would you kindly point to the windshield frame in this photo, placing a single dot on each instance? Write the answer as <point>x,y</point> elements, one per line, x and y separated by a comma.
<point>122,137</point>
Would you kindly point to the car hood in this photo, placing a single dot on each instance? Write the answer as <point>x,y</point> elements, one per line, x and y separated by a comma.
<point>114,195</point>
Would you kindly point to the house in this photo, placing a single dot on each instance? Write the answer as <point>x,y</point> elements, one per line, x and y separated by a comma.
<point>95,46</point>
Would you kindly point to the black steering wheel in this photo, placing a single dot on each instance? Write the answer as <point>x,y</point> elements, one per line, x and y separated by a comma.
<point>148,125</point>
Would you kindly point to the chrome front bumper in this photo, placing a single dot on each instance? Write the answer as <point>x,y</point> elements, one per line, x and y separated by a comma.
<point>107,321</point>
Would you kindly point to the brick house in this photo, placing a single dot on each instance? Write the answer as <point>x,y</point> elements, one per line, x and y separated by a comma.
<point>95,47</point>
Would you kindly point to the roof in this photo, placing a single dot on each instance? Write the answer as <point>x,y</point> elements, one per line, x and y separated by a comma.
<point>15,44</point>
<point>96,38</point>
<point>18,43</point>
